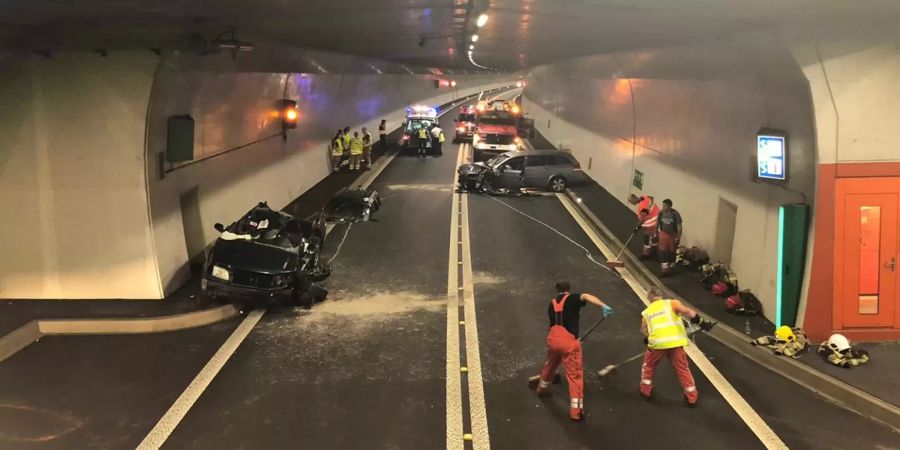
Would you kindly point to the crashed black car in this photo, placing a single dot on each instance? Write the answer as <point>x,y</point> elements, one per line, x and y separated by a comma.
<point>271,256</point>
<point>267,256</point>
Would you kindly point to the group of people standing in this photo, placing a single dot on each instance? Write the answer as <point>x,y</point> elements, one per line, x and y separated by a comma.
<point>431,133</point>
<point>356,147</point>
<point>661,228</point>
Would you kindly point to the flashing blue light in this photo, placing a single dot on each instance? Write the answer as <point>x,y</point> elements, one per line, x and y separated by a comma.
<point>780,276</point>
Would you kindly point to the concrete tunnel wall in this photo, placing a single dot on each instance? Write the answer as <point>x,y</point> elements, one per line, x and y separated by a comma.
<point>83,212</point>
<point>73,200</point>
<point>687,118</point>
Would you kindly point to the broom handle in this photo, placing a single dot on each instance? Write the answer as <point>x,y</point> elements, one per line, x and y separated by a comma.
<point>591,329</point>
<point>625,246</point>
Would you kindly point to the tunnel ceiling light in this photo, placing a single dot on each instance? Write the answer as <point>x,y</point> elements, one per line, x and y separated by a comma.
<point>482,19</point>
<point>474,38</point>
<point>471,46</point>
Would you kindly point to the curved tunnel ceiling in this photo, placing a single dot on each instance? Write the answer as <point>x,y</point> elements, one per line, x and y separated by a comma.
<point>519,34</point>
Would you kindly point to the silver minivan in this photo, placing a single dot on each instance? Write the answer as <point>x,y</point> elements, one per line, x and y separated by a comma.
<point>536,169</point>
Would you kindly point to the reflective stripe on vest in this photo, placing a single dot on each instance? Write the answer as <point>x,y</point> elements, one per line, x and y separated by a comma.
<point>356,146</point>
<point>664,328</point>
<point>647,203</point>
<point>558,306</point>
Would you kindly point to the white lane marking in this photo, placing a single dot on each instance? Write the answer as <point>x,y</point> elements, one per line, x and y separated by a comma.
<point>454,386</point>
<point>737,402</point>
<point>477,410</point>
<point>163,429</point>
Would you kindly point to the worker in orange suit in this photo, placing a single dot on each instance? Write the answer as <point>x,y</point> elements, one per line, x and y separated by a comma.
<point>665,336</point>
<point>564,347</point>
<point>647,211</point>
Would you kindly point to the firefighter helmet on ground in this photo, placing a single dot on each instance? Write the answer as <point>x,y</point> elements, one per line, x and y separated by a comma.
<point>838,342</point>
<point>719,288</point>
<point>734,302</point>
<point>785,333</point>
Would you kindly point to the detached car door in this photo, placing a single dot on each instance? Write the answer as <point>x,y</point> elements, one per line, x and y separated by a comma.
<point>511,173</point>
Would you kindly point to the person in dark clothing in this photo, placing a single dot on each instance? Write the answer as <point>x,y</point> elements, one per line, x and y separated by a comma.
<point>669,223</point>
<point>382,135</point>
<point>563,345</point>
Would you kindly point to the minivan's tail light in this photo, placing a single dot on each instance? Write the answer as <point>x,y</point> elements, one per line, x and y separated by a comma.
<point>576,167</point>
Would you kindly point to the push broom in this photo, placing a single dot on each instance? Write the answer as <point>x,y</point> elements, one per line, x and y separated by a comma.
<point>612,368</point>
<point>533,381</point>
<point>616,263</point>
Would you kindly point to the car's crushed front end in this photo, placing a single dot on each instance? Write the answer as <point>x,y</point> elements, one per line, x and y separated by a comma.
<point>249,271</point>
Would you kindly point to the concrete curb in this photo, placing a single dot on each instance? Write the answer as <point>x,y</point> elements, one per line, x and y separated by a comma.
<point>32,331</point>
<point>832,389</point>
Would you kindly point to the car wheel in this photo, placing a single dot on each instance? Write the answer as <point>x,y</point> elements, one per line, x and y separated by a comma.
<point>302,298</point>
<point>558,184</point>
<point>320,272</point>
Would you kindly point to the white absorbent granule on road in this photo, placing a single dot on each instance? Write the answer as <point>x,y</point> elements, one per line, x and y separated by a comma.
<point>487,278</point>
<point>420,187</point>
<point>377,306</point>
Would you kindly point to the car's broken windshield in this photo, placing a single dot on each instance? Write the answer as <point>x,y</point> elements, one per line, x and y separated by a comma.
<point>497,160</point>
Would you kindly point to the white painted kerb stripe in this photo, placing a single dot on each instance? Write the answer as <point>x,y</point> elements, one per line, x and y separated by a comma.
<point>186,400</point>
<point>454,386</point>
<point>477,410</point>
<point>737,402</point>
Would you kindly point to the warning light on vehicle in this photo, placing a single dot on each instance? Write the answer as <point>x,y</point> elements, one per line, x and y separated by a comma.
<point>515,109</point>
<point>520,84</point>
<point>453,83</point>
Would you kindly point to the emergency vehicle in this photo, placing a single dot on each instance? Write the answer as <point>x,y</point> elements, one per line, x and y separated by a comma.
<point>496,132</point>
<point>417,117</point>
<point>465,124</point>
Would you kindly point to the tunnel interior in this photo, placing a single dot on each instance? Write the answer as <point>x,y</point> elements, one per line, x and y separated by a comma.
<point>131,130</point>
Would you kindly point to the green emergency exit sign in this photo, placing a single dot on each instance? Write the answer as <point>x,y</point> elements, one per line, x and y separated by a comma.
<point>638,181</point>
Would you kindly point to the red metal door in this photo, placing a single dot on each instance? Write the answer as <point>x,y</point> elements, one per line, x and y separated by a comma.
<point>866,251</point>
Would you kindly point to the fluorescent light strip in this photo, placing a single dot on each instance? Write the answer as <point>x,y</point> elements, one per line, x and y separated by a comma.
<point>780,276</point>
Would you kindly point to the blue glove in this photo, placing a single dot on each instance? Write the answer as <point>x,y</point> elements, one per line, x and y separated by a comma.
<point>607,311</point>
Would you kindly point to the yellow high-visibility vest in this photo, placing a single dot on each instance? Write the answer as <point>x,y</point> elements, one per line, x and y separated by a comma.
<point>664,327</point>
<point>345,138</point>
<point>356,146</point>
<point>441,137</point>
<point>337,147</point>
<point>422,133</point>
